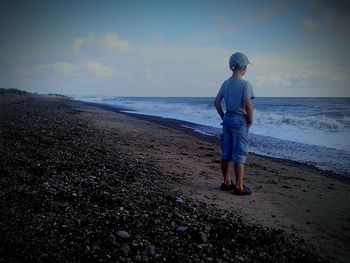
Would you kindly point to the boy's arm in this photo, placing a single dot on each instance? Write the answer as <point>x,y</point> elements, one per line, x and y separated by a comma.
<point>249,111</point>
<point>217,104</point>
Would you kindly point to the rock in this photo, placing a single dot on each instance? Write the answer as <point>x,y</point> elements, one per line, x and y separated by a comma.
<point>181,229</point>
<point>179,200</point>
<point>123,234</point>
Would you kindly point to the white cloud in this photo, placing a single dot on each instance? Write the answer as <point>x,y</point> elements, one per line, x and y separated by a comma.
<point>208,56</point>
<point>93,43</point>
<point>189,71</point>
<point>78,43</point>
<point>272,79</point>
<point>98,69</point>
<point>198,71</point>
<point>112,41</point>
<point>295,75</point>
<point>63,68</point>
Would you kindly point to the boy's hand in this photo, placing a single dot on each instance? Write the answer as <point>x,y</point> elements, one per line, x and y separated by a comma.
<point>217,104</point>
<point>249,111</point>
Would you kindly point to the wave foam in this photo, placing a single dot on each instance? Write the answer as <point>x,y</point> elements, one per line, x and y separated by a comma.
<point>329,128</point>
<point>310,122</point>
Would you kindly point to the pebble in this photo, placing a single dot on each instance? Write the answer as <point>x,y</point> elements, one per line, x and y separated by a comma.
<point>123,234</point>
<point>181,229</point>
<point>179,200</point>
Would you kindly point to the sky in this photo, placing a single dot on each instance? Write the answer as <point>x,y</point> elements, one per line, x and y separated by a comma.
<point>174,48</point>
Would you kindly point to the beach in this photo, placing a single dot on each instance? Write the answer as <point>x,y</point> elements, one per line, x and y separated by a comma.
<point>83,182</point>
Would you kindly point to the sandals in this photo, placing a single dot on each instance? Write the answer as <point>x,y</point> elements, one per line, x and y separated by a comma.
<point>225,187</point>
<point>244,191</point>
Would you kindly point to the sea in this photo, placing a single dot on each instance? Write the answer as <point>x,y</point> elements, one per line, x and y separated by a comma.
<point>313,131</point>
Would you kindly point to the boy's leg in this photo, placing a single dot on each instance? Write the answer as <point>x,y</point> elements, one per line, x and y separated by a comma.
<point>239,155</point>
<point>225,166</point>
<point>239,172</point>
<point>226,149</point>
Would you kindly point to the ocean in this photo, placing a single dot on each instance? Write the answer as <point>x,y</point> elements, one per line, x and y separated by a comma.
<point>314,131</point>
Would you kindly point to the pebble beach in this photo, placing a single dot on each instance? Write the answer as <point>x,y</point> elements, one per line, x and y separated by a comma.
<point>83,183</point>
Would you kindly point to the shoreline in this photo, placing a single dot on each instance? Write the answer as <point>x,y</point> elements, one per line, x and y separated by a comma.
<point>77,173</point>
<point>299,198</point>
<point>185,126</point>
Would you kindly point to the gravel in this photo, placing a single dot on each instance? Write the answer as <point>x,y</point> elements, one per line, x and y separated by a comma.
<point>66,196</point>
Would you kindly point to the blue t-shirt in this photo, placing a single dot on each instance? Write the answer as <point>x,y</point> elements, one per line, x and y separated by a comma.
<point>235,93</point>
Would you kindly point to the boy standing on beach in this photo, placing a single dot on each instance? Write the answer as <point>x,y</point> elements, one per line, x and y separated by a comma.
<point>237,94</point>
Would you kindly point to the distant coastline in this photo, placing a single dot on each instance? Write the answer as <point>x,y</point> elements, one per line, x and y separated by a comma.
<point>12,91</point>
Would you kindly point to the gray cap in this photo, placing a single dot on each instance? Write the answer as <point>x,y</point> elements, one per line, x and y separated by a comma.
<point>238,59</point>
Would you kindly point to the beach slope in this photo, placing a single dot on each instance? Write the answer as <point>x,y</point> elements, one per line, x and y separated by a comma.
<point>82,183</point>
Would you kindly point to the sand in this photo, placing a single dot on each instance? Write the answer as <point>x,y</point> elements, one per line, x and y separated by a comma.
<point>303,201</point>
<point>300,199</point>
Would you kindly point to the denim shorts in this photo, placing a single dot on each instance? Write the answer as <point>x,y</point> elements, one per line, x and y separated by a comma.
<point>234,139</point>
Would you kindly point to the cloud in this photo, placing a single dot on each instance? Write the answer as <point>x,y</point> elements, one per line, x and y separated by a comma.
<point>98,69</point>
<point>112,41</point>
<point>78,43</point>
<point>186,55</point>
<point>272,79</point>
<point>64,68</point>
<point>186,71</point>
<point>92,43</point>
<point>207,67</point>
<point>292,75</point>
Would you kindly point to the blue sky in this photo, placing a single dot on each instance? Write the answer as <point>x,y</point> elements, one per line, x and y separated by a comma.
<point>174,48</point>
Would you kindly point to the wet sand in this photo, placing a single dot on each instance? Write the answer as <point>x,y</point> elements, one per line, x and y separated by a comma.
<point>302,201</point>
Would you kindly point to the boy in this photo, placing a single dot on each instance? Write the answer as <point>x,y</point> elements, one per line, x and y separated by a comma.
<point>237,94</point>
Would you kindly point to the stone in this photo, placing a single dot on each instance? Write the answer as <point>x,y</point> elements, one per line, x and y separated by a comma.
<point>181,229</point>
<point>123,234</point>
<point>179,200</point>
